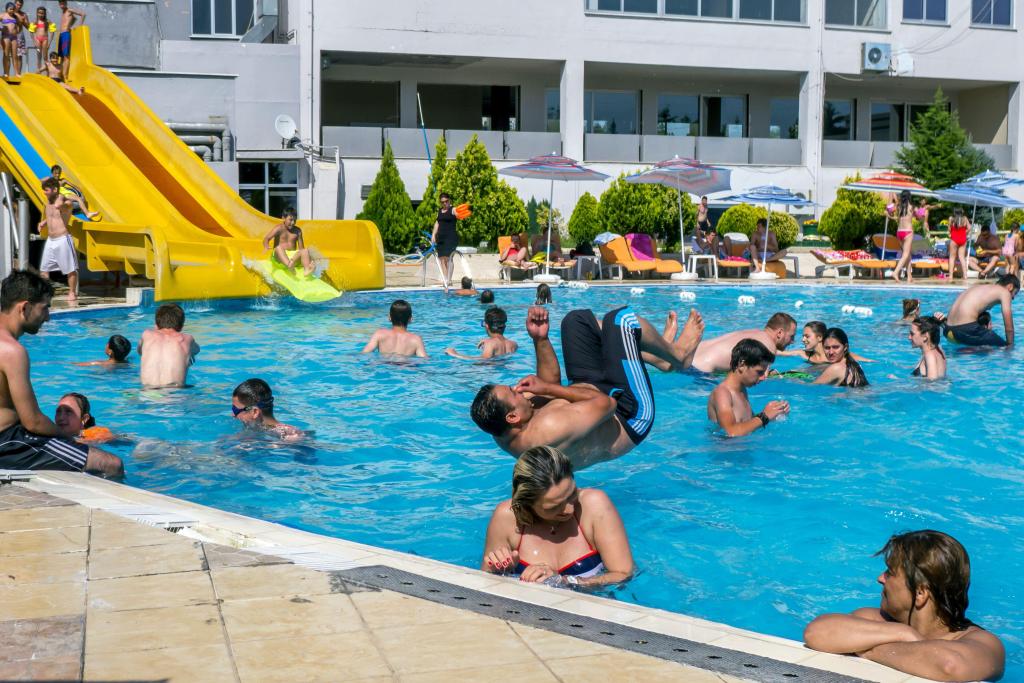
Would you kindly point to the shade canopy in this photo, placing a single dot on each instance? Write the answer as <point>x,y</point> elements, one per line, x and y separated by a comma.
<point>686,175</point>
<point>768,194</point>
<point>977,194</point>
<point>889,181</point>
<point>994,179</point>
<point>552,167</point>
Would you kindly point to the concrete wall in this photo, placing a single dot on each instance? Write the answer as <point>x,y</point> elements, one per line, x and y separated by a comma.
<point>124,33</point>
<point>175,18</point>
<point>983,112</point>
<point>188,98</point>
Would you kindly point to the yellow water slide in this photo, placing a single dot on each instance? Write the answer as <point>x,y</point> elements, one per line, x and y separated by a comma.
<point>167,216</point>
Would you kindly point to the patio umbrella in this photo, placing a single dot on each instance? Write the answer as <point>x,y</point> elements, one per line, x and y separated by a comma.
<point>994,179</point>
<point>978,194</point>
<point>690,176</point>
<point>767,194</point>
<point>552,167</point>
<point>889,181</point>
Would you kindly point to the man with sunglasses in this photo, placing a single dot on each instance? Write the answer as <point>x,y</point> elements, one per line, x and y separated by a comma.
<point>252,404</point>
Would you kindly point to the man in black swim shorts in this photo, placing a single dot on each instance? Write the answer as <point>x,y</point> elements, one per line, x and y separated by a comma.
<point>28,439</point>
<point>608,408</point>
<point>962,326</point>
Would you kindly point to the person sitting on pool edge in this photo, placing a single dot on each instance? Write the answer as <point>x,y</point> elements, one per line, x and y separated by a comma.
<point>608,408</point>
<point>74,419</point>
<point>921,627</point>
<point>467,288</point>
<point>961,324</point>
<point>715,355</point>
<point>398,341</point>
<point>117,351</point>
<point>550,531</point>
<point>728,404</point>
<point>844,370</point>
<point>496,344</point>
<point>252,403</point>
<point>166,351</point>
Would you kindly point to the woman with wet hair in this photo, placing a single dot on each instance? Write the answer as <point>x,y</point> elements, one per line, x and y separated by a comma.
<point>925,335</point>
<point>844,370</point>
<point>552,532</point>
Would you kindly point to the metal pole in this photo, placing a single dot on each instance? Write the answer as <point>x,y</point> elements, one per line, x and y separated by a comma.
<point>682,240</point>
<point>767,232</point>
<point>7,226</point>
<point>23,242</point>
<point>551,211</point>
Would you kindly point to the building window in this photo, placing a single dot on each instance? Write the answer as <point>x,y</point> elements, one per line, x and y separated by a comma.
<point>891,122</point>
<point>725,117</point>
<point>678,115</point>
<point>717,9</point>
<point>359,103</point>
<point>754,10</point>
<point>924,10</point>
<point>992,12</point>
<point>269,186</point>
<point>837,121</point>
<point>607,111</point>
<point>772,10</point>
<point>862,13</point>
<point>553,107</point>
<point>221,17</point>
<point>784,118</point>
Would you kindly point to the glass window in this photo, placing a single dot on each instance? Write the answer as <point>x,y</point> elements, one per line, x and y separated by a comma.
<point>605,5</point>
<point>784,118</point>
<point>607,111</point>
<point>244,18</point>
<point>924,10</point>
<point>645,6</point>
<point>685,7</point>
<point>202,17</point>
<point>789,10</point>
<point>756,9</point>
<point>269,186</point>
<point>716,8</point>
<point>678,115</point>
<point>863,13</point>
<point>991,12</point>
<point>726,117</point>
<point>221,17</point>
<point>838,120</point>
<point>772,10</point>
<point>359,103</point>
<point>553,107</point>
<point>887,122</point>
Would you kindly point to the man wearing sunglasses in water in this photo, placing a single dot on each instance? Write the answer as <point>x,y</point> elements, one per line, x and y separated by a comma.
<point>253,405</point>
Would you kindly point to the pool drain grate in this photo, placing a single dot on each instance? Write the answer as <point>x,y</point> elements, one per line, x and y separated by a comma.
<point>691,653</point>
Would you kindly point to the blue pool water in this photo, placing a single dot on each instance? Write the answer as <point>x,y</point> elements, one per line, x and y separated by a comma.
<point>762,533</point>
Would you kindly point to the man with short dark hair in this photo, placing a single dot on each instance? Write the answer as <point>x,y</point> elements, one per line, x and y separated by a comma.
<point>728,404</point>
<point>715,355</point>
<point>166,351</point>
<point>496,344</point>
<point>921,627</point>
<point>961,324</point>
<point>989,250</point>
<point>59,252</point>
<point>763,241</point>
<point>398,341</point>
<point>467,288</point>
<point>252,404</point>
<point>28,439</point>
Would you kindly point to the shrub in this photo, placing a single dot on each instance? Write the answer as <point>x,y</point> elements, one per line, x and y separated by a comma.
<point>585,223</point>
<point>426,212</point>
<point>852,217</point>
<point>742,218</point>
<point>557,224</point>
<point>785,228</point>
<point>1011,216</point>
<point>390,208</point>
<point>651,209</point>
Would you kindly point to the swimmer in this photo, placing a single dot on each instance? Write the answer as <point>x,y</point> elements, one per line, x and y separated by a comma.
<point>715,355</point>
<point>496,344</point>
<point>728,404</point>
<point>552,532</point>
<point>921,627</point>
<point>289,247</point>
<point>961,324</point>
<point>117,351</point>
<point>466,289</point>
<point>911,310</point>
<point>543,294</point>
<point>74,419</point>
<point>608,407</point>
<point>398,341</point>
<point>166,351</point>
<point>814,349</point>
<point>844,370</point>
<point>486,297</point>
<point>252,403</point>
<point>924,335</point>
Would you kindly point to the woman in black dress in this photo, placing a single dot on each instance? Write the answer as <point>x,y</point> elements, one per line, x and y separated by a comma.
<point>445,237</point>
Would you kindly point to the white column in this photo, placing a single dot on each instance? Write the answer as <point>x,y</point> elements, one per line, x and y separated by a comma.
<point>571,98</point>
<point>309,99</point>
<point>1015,124</point>
<point>812,102</point>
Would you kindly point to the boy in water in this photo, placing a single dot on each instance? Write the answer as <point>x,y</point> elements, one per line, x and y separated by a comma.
<point>467,288</point>
<point>67,20</point>
<point>289,248</point>
<point>728,404</point>
<point>166,351</point>
<point>252,403</point>
<point>117,352</point>
<point>59,252</point>
<point>398,341</point>
<point>496,344</point>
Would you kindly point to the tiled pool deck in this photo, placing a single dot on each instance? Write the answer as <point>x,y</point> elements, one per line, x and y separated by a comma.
<point>87,591</point>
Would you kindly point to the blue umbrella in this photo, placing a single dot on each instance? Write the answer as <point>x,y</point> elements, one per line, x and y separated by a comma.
<point>994,179</point>
<point>980,194</point>
<point>768,194</point>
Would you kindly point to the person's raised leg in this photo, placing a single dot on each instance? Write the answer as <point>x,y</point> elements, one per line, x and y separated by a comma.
<point>679,353</point>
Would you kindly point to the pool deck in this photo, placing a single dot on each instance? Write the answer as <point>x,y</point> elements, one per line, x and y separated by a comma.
<point>102,581</point>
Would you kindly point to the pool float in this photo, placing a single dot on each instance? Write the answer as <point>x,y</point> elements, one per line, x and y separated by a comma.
<point>308,288</point>
<point>745,299</point>
<point>462,211</point>
<point>686,295</point>
<point>796,374</point>
<point>637,291</point>
<point>96,434</point>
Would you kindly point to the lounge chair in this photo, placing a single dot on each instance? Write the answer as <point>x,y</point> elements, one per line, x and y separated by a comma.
<point>833,259</point>
<point>508,271</point>
<point>616,254</point>
<point>643,249</point>
<point>735,245</point>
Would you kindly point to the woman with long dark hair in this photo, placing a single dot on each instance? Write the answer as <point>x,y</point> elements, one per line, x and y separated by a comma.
<point>844,370</point>
<point>958,228</point>
<point>904,213</point>
<point>924,335</point>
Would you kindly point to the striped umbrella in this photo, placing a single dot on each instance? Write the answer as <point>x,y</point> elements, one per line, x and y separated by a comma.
<point>767,194</point>
<point>552,167</point>
<point>889,181</point>
<point>994,179</point>
<point>686,175</point>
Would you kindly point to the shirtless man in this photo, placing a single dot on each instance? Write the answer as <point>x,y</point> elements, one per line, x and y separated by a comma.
<point>59,252</point>
<point>921,627</point>
<point>166,351</point>
<point>989,250</point>
<point>715,355</point>
<point>68,17</point>
<point>289,247</point>
<point>608,408</point>
<point>763,241</point>
<point>496,344</point>
<point>728,405</point>
<point>961,324</point>
<point>252,403</point>
<point>29,440</point>
<point>467,288</point>
<point>398,341</point>
<point>707,238</point>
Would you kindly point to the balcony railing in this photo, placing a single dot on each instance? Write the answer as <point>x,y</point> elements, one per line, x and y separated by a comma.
<point>864,154</point>
<point>731,151</point>
<point>407,143</point>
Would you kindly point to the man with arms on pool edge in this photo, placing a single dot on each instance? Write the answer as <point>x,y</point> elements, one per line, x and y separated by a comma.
<point>962,325</point>
<point>28,439</point>
<point>921,627</point>
<point>608,408</point>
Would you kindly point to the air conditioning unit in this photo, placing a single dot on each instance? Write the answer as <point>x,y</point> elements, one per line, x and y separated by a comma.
<point>876,57</point>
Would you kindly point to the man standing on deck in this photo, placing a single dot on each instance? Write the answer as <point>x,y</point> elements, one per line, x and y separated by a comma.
<point>961,324</point>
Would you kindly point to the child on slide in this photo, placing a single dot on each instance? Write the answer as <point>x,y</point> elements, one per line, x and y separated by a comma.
<point>289,247</point>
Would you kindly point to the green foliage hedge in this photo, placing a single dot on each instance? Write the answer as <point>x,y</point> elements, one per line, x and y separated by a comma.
<point>742,218</point>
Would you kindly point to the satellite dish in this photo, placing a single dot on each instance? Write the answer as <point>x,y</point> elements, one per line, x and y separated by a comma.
<point>285,126</point>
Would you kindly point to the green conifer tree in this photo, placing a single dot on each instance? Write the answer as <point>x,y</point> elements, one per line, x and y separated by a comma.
<point>585,223</point>
<point>426,212</point>
<point>390,208</point>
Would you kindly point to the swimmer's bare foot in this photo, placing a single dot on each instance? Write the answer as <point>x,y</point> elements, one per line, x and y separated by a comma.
<point>671,327</point>
<point>686,345</point>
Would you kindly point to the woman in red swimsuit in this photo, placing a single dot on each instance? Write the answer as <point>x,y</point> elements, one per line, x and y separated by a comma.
<point>552,532</point>
<point>958,227</point>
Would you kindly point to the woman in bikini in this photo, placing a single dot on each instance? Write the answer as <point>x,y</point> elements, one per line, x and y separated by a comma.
<point>844,370</point>
<point>10,27</point>
<point>905,234</point>
<point>924,335</point>
<point>958,227</point>
<point>41,34</point>
<point>552,532</point>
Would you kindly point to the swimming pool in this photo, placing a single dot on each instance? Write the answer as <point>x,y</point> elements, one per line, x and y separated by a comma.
<point>761,533</point>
